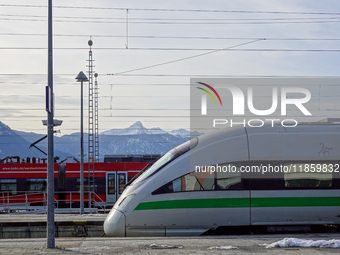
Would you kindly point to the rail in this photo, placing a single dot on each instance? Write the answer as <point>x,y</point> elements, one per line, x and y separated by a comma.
<point>32,200</point>
<point>98,203</point>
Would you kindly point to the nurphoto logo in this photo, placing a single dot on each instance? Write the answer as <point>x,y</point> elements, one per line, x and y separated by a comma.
<point>238,100</point>
<point>204,97</point>
<point>285,98</point>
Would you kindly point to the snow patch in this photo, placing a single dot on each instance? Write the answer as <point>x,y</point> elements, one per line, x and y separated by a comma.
<point>295,242</point>
<point>96,248</point>
<point>180,132</point>
<point>164,246</point>
<point>184,133</point>
<point>92,215</point>
<point>229,247</point>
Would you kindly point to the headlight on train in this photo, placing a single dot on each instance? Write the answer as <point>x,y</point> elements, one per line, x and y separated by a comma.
<point>125,202</point>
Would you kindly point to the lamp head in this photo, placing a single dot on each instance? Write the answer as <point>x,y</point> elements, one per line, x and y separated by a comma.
<point>81,77</point>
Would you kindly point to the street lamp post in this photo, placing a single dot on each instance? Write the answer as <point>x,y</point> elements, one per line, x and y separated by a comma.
<point>81,77</point>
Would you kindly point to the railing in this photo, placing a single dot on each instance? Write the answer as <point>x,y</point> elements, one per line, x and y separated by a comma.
<point>22,199</point>
<point>5,200</point>
<point>30,200</point>
<point>101,200</point>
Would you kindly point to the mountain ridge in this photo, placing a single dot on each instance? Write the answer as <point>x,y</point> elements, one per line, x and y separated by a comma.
<point>135,139</point>
<point>134,129</point>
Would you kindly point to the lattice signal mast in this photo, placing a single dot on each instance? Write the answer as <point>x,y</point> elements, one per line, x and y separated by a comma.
<point>93,135</point>
<point>96,119</point>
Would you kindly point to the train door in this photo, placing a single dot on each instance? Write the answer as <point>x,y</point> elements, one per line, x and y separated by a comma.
<point>115,182</point>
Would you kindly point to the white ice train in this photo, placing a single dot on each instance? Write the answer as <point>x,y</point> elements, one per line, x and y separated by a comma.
<point>270,176</point>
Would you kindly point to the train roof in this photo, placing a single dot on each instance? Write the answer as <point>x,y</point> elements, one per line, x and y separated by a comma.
<point>306,141</point>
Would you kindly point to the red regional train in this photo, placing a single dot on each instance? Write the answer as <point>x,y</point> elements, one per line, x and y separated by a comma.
<point>25,183</point>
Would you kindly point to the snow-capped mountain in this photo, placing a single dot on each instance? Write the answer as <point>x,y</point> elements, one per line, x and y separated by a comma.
<point>180,132</point>
<point>138,139</point>
<point>11,143</point>
<point>14,144</point>
<point>135,129</point>
<point>138,129</point>
<point>135,139</point>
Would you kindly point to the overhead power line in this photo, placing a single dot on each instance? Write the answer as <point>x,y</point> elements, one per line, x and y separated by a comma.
<point>186,58</point>
<point>195,75</point>
<point>102,109</point>
<point>168,9</point>
<point>167,19</point>
<point>5,83</point>
<point>175,37</point>
<point>172,49</point>
<point>158,22</point>
<point>13,83</point>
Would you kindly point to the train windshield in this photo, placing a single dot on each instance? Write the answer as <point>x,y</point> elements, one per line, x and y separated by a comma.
<point>167,158</point>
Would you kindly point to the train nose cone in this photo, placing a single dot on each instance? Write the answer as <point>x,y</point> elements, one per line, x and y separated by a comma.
<point>114,224</point>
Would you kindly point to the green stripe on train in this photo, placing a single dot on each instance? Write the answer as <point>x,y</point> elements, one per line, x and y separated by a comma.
<point>195,203</point>
<point>240,203</point>
<point>294,201</point>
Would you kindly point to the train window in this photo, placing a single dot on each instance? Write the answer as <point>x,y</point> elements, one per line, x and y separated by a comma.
<point>86,183</point>
<point>204,181</point>
<point>228,179</point>
<point>36,184</point>
<point>8,186</point>
<point>121,182</point>
<point>188,182</point>
<point>193,182</point>
<point>308,175</point>
<point>197,181</point>
<point>111,184</point>
<point>167,158</point>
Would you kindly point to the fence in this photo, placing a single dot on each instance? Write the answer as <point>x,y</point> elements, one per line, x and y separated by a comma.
<point>37,200</point>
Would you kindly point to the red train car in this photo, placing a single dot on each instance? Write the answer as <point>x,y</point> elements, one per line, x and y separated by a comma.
<point>25,183</point>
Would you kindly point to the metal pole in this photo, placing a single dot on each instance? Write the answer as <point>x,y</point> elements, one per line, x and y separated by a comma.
<point>81,77</point>
<point>90,153</point>
<point>50,154</point>
<point>81,152</point>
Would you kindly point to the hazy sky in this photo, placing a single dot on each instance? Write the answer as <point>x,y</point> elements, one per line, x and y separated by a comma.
<point>151,33</point>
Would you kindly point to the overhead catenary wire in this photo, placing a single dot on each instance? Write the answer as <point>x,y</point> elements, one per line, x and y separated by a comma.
<point>14,83</point>
<point>179,22</point>
<point>174,37</point>
<point>169,9</point>
<point>194,75</point>
<point>186,58</point>
<point>166,19</point>
<point>175,49</point>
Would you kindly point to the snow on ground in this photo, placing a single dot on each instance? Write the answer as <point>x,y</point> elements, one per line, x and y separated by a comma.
<point>229,247</point>
<point>296,242</point>
<point>92,214</point>
<point>163,246</point>
<point>94,248</point>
